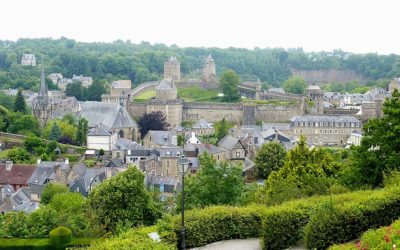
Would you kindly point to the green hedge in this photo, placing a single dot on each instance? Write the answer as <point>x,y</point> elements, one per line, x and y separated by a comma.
<point>342,222</point>
<point>60,236</point>
<point>40,244</point>
<point>204,226</point>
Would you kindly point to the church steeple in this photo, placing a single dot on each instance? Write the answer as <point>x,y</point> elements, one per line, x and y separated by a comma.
<point>43,86</point>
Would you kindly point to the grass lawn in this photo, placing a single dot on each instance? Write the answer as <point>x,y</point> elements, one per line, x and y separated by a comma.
<point>144,96</point>
<point>196,94</point>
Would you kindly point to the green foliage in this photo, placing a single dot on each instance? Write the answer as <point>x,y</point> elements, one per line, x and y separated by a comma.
<point>270,157</point>
<point>34,144</point>
<point>196,94</point>
<point>180,140</point>
<point>378,153</point>
<point>221,128</point>
<point>70,119</point>
<point>25,244</point>
<point>338,223</point>
<point>18,155</point>
<point>50,190</point>
<point>295,85</point>
<point>229,83</point>
<point>137,239</point>
<point>83,128</point>
<point>19,104</point>
<point>60,236</point>
<point>55,132</point>
<point>155,120</point>
<point>214,184</point>
<point>7,101</point>
<point>381,238</point>
<point>123,197</point>
<point>57,129</point>
<point>23,124</point>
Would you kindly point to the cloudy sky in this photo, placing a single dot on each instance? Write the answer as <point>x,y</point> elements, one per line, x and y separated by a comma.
<point>351,25</point>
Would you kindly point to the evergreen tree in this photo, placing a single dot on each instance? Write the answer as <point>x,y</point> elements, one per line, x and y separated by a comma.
<point>83,129</point>
<point>55,133</point>
<point>19,104</point>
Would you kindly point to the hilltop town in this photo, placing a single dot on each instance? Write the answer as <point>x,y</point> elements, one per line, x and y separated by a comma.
<point>102,156</point>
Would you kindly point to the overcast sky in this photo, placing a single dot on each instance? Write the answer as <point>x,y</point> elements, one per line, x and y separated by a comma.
<point>351,25</point>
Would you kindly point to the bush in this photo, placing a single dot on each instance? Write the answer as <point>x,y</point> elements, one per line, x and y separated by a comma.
<point>60,236</point>
<point>137,239</point>
<point>341,222</point>
<point>25,244</point>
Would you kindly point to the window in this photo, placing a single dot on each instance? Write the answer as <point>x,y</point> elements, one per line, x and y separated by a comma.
<point>178,153</point>
<point>296,124</point>
<point>153,172</point>
<point>357,124</point>
<point>168,163</point>
<point>167,171</point>
<point>238,154</point>
<point>218,157</point>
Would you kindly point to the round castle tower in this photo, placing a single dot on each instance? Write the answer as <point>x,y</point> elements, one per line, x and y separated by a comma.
<point>166,90</point>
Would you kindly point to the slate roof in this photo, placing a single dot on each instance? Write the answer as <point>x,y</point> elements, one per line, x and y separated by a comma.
<point>122,144</point>
<point>247,164</point>
<point>209,148</point>
<point>45,171</point>
<point>276,90</point>
<point>99,130</point>
<point>27,207</point>
<point>170,152</point>
<point>228,142</point>
<point>194,162</point>
<point>8,190</point>
<point>112,115</point>
<point>202,123</point>
<point>135,149</point>
<point>324,118</point>
<point>87,176</point>
<point>163,138</point>
<point>18,175</point>
<point>269,132</point>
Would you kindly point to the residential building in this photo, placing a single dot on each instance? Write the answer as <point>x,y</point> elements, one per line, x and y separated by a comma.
<point>233,147</point>
<point>160,138</point>
<point>355,138</point>
<point>85,80</point>
<point>85,179</point>
<point>15,175</point>
<point>203,128</point>
<point>101,137</point>
<point>28,60</point>
<point>55,77</point>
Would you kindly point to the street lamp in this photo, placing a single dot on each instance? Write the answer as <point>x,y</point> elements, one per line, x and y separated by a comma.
<point>183,165</point>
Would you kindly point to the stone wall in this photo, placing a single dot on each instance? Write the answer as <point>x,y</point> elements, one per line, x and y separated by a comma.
<point>213,112</point>
<point>322,77</point>
<point>143,87</point>
<point>272,113</point>
<point>137,109</point>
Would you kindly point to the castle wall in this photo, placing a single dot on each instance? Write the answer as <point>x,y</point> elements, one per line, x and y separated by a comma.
<point>137,109</point>
<point>213,112</point>
<point>272,113</point>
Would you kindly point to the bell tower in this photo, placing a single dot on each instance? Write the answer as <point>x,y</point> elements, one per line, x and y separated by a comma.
<point>41,106</point>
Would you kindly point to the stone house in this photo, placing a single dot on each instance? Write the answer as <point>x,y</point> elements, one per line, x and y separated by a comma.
<point>195,150</point>
<point>85,80</point>
<point>15,175</point>
<point>55,77</point>
<point>11,200</point>
<point>203,127</point>
<point>28,60</point>
<point>121,88</point>
<point>85,179</point>
<point>234,148</point>
<point>169,159</point>
<point>355,138</point>
<point>323,129</point>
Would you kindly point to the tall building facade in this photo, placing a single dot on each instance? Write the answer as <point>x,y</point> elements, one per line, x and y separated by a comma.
<point>172,69</point>
<point>41,106</point>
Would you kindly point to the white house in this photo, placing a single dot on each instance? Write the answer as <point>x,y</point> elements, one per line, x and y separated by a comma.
<point>101,137</point>
<point>355,139</point>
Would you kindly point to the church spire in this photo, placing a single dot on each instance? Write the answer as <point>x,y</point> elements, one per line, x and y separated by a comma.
<point>43,85</point>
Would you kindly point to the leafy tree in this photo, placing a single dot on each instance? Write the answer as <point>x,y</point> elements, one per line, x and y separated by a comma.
<point>23,124</point>
<point>83,128</point>
<point>19,104</point>
<point>155,120</point>
<point>222,128</point>
<point>101,152</point>
<point>55,132</point>
<point>34,144</point>
<point>65,128</point>
<point>18,155</point>
<point>77,90</point>
<point>123,197</point>
<point>4,118</point>
<point>70,119</point>
<point>181,140</point>
<point>295,85</point>
<point>378,152</point>
<point>271,157</point>
<point>229,82</point>
<point>95,91</point>
<point>214,184</point>
<point>50,190</point>
<point>7,101</point>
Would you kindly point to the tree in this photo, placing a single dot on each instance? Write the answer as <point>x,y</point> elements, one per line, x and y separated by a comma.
<point>229,82</point>
<point>295,85</point>
<point>55,133</point>
<point>23,124</point>
<point>18,155</point>
<point>83,129</point>
<point>77,90</point>
<point>70,119</point>
<point>378,152</point>
<point>95,91</point>
<point>215,184</point>
<point>271,157</point>
<point>50,190</point>
<point>123,198</point>
<point>19,104</point>
<point>155,120</point>
<point>222,128</point>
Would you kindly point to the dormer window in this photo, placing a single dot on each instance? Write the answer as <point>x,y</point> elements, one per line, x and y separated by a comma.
<point>168,153</point>
<point>178,153</point>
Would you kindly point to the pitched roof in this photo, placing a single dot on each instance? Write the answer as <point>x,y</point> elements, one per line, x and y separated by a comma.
<point>18,175</point>
<point>121,84</point>
<point>163,138</point>
<point>112,115</point>
<point>45,170</point>
<point>202,123</point>
<point>324,118</point>
<point>170,152</point>
<point>228,142</point>
<point>166,84</point>
<point>99,130</point>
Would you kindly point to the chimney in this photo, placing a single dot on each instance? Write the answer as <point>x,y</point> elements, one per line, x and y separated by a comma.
<point>9,165</point>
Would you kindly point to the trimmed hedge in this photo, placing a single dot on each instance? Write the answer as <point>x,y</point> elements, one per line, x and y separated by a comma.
<point>40,244</point>
<point>60,236</point>
<point>204,226</point>
<point>342,222</point>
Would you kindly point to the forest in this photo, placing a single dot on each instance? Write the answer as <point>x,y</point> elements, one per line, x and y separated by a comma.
<point>144,62</point>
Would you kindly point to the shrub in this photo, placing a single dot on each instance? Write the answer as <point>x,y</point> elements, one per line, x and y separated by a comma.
<point>25,244</point>
<point>137,239</point>
<point>60,236</point>
<point>341,222</point>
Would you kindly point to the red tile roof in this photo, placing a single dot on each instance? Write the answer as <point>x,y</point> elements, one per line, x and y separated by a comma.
<point>18,175</point>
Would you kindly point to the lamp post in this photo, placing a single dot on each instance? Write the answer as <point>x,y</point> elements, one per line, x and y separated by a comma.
<point>183,164</point>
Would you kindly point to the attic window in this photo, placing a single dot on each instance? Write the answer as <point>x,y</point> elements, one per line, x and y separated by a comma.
<point>168,153</point>
<point>36,181</point>
<point>178,153</point>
